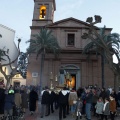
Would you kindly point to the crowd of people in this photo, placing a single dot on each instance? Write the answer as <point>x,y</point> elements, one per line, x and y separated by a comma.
<point>84,102</point>
<point>14,98</point>
<point>88,101</point>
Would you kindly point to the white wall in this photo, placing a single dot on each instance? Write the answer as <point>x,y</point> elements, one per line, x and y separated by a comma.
<point>7,41</point>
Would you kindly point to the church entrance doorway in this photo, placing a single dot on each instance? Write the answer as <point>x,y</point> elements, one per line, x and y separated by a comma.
<point>71,83</point>
<point>74,79</point>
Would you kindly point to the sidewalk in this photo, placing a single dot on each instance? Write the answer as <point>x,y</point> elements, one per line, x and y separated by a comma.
<point>55,116</point>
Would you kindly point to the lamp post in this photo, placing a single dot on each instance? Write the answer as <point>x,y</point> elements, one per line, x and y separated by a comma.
<point>51,79</point>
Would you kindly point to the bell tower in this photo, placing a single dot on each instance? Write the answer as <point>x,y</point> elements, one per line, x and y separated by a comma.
<point>43,12</point>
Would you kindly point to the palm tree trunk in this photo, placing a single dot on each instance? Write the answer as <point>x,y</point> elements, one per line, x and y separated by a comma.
<point>102,71</point>
<point>41,70</point>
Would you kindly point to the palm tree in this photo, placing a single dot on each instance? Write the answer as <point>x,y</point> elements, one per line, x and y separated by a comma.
<point>105,45</point>
<point>42,43</point>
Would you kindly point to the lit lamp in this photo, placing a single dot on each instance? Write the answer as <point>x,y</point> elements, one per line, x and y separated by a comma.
<point>51,78</point>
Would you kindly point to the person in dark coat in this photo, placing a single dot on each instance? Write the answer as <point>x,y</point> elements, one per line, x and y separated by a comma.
<point>67,105</point>
<point>24,97</point>
<point>56,99</point>
<point>79,92</point>
<point>2,98</point>
<point>52,100</point>
<point>94,101</point>
<point>45,102</point>
<point>9,103</point>
<point>63,100</point>
<point>33,98</point>
<point>103,94</point>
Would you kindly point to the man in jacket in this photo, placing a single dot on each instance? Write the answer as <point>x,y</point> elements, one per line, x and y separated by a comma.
<point>52,100</point>
<point>63,100</point>
<point>45,102</point>
<point>9,103</point>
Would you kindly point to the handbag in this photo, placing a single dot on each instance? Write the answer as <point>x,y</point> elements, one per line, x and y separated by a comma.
<point>74,101</point>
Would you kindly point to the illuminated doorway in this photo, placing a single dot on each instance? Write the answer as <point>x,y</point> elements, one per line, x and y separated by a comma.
<point>74,71</point>
<point>72,83</point>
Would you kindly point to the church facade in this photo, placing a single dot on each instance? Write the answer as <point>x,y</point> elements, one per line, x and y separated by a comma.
<point>71,60</point>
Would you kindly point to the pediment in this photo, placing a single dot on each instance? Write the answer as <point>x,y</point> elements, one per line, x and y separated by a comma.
<point>69,22</point>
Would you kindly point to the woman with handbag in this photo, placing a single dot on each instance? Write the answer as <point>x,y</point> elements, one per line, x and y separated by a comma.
<point>72,101</point>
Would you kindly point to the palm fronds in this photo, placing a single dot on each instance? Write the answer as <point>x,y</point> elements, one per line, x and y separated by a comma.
<point>43,42</point>
<point>103,44</point>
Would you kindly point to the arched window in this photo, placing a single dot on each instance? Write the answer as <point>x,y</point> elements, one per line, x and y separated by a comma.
<point>42,12</point>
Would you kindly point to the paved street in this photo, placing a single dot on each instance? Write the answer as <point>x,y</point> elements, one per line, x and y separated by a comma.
<point>54,116</point>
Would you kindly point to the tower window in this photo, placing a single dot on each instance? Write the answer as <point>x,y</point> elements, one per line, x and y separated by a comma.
<point>71,39</point>
<point>42,12</point>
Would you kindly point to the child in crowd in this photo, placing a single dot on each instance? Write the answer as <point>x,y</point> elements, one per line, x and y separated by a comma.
<point>106,109</point>
<point>112,107</point>
<point>99,107</point>
<point>79,106</point>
